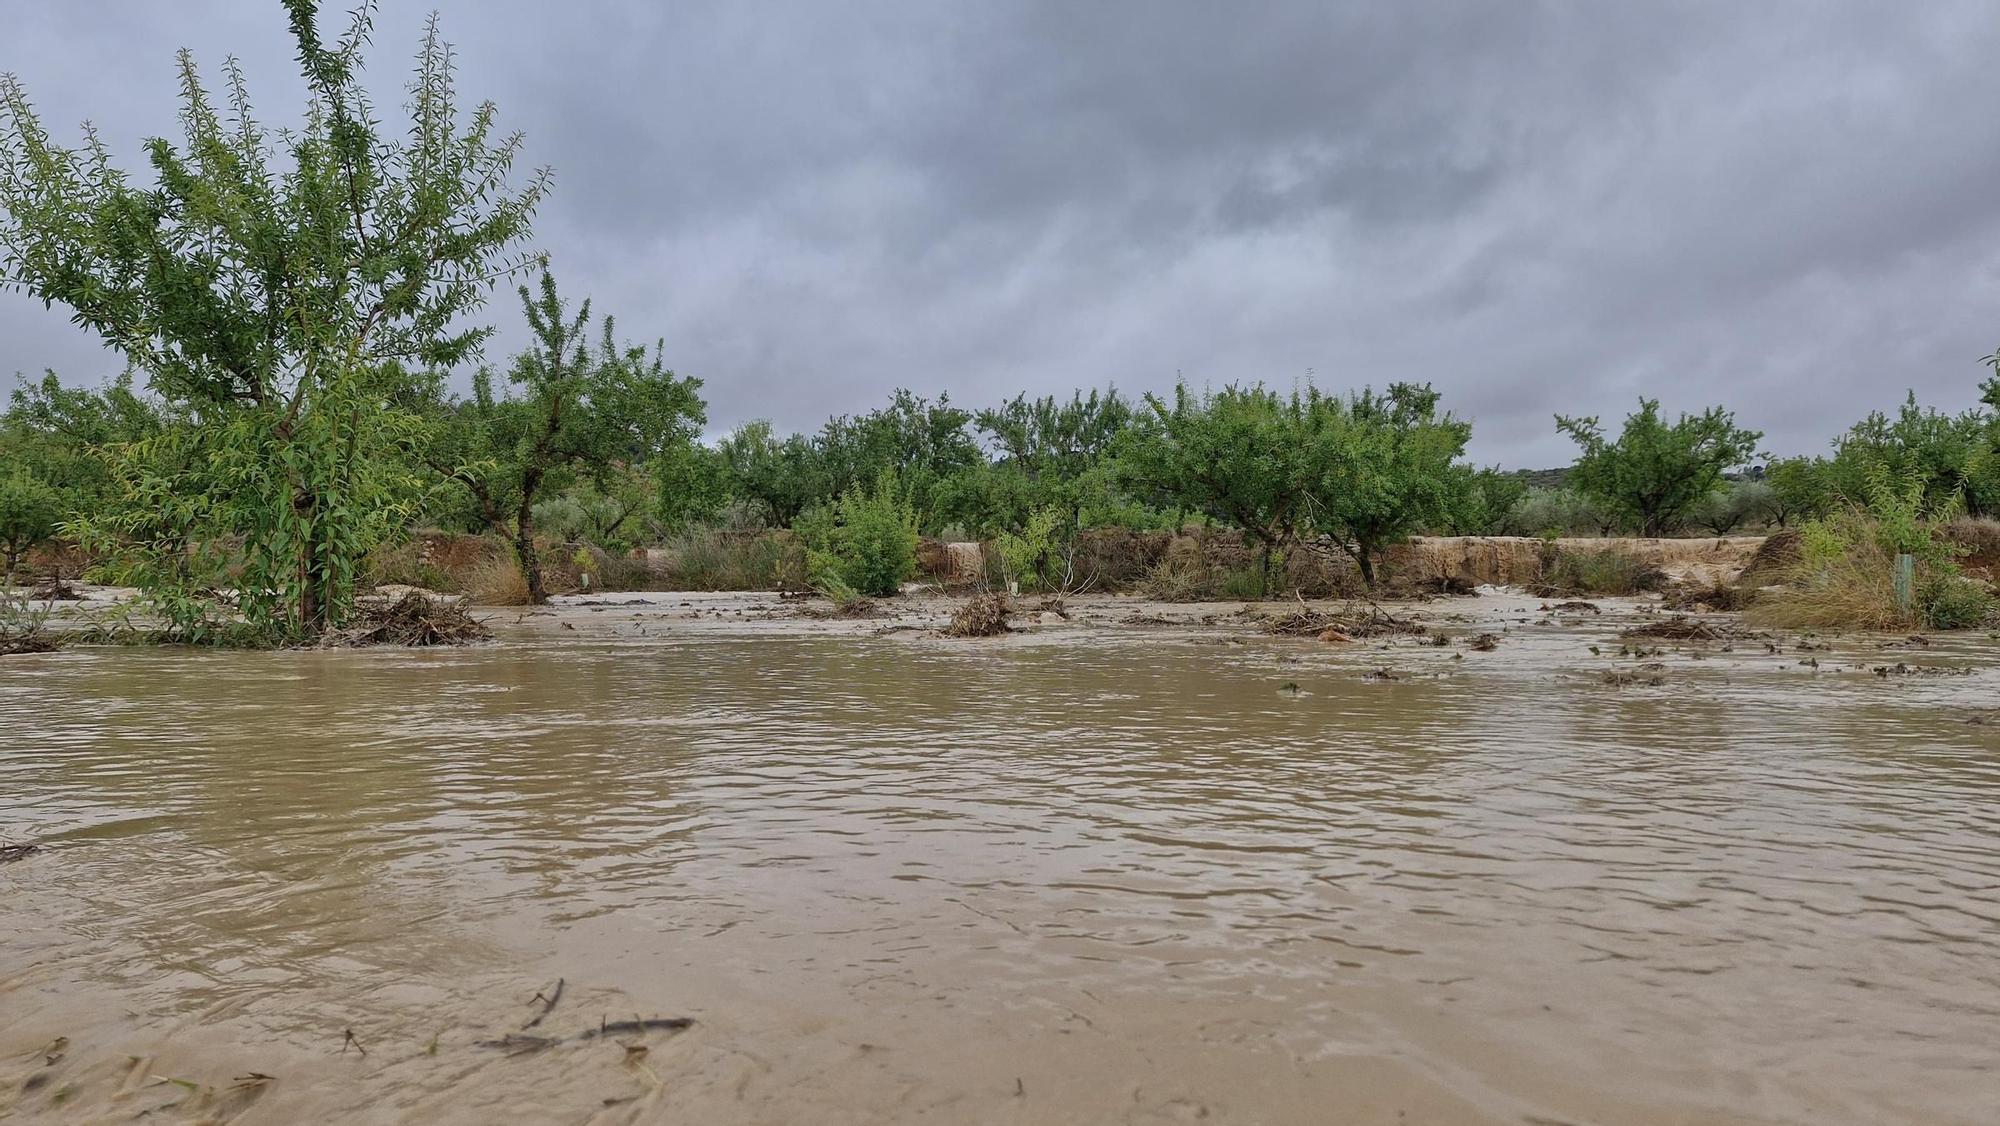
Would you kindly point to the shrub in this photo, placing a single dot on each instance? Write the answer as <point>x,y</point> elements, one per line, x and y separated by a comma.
<point>23,626</point>
<point>1844,577</point>
<point>1038,556</point>
<point>1954,602</point>
<point>867,540</point>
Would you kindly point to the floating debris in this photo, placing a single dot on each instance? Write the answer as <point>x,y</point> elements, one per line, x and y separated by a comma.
<point>1648,679</point>
<point>1680,627</point>
<point>1901,669</point>
<point>11,853</point>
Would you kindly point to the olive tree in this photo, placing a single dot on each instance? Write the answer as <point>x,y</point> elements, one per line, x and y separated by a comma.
<point>578,404</point>
<point>271,287</point>
<point>1653,473</point>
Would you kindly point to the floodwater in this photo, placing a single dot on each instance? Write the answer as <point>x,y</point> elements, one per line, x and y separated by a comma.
<point>1096,875</point>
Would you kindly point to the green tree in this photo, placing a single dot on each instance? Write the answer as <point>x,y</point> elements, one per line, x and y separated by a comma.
<point>691,485</point>
<point>270,288</point>
<point>575,409</point>
<point>1734,505</point>
<point>1654,473</point>
<point>30,509</point>
<point>1239,456</point>
<point>778,478</point>
<point>1382,467</point>
<point>1801,489</point>
<point>615,512</point>
<point>1487,499</point>
<point>1951,456</point>
<point>65,432</point>
<point>920,444</point>
<point>1051,453</point>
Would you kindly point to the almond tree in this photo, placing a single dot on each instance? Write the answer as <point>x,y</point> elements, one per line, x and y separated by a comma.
<point>272,287</point>
<point>578,403</point>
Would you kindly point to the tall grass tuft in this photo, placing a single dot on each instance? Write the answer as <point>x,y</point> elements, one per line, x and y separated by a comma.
<point>498,582</point>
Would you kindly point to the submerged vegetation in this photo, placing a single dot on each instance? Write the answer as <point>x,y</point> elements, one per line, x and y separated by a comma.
<point>292,306</point>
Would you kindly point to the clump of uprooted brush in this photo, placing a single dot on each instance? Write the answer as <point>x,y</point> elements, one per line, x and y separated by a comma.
<point>412,620</point>
<point>983,615</point>
<point>1352,621</point>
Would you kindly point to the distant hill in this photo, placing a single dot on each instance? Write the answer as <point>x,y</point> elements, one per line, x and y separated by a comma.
<point>1543,478</point>
<point>1557,478</point>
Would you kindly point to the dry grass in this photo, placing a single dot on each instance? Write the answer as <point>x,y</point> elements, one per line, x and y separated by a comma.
<point>1180,576</point>
<point>1857,590</point>
<point>497,582</point>
<point>714,559</point>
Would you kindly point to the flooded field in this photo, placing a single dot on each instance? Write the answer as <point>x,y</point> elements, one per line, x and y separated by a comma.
<point>1126,868</point>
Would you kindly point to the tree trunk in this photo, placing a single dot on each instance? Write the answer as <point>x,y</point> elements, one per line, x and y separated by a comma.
<point>524,541</point>
<point>312,608</point>
<point>531,566</point>
<point>1264,571</point>
<point>1364,556</point>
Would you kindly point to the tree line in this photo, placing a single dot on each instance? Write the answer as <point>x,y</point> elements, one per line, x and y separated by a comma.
<point>291,306</point>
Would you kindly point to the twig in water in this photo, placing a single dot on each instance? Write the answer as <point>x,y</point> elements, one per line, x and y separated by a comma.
<point>653,1024</point>
<point>515,1044</point>
<point>548,1004</point>
<point>349,1039</point>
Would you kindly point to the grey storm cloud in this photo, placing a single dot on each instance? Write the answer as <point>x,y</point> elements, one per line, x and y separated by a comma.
<point>1788,208</point>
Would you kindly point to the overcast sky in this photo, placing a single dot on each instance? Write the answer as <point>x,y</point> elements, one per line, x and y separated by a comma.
<point>1789,208</point>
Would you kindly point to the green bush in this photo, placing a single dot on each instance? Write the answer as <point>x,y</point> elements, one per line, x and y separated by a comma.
<point>1036,556</point>
<point>1947,601</point>
<point>867,542</point>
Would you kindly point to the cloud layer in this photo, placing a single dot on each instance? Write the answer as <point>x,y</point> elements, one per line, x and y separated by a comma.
<point>1785,207</point>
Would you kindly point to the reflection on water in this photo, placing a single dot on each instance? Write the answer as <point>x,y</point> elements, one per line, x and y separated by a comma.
<point>1110,882</point>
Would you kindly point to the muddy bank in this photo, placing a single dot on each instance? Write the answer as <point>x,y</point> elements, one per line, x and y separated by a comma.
<point>1103,560</point>
<point>1520,561</point>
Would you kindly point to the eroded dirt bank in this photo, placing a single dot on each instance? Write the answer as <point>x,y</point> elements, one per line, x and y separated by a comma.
<point>1134,862</point>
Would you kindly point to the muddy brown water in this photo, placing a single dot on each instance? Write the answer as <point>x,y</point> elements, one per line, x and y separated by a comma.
<point>1102,875</point>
